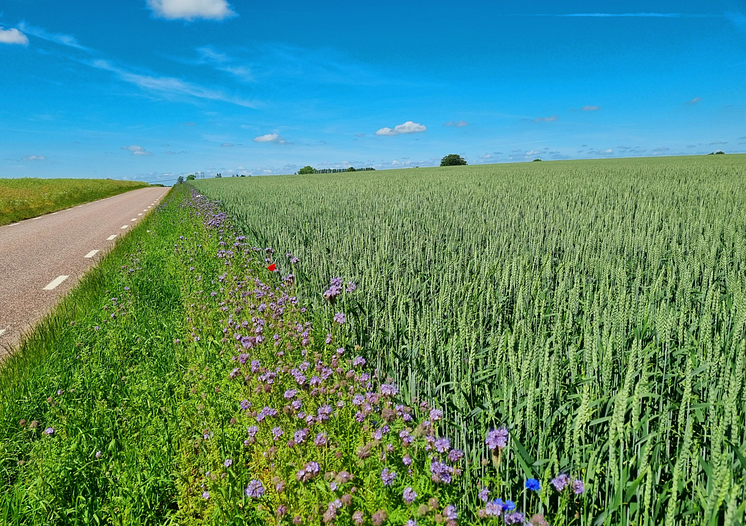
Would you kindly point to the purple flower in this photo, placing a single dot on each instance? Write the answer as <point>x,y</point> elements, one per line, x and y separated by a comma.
<point>484,494</point>
<point>409,495</point>
<point>98,454</point>
<point>578,487</point>
<point>560,482</point>
<point>514,518</point>
<point>252,431</point>
<point>309,471</point>
<point>450,512</point>
<point>206,495</point>
<point>277,432</point>
<point>320,440</point>
<point>494,508</point>
<point>300,436</point>
<point>442,445</point>
<point>436,414</point>
<point>49,431</point>
<point>358,361</point>
<point>245,404</point>
<point>290,393</point>
<point>389,389</point>
<point>340,318</point>
<point>228,462</point>
<point>455,455</point>
<point>406,460</point>
<point>350,286</point>
<point>388,476</point>
<point>497,438</point>
<point>255,489</point>
<point>358,518</point>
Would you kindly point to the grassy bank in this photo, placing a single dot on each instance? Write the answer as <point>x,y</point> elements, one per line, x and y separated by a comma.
<point>25,198</point>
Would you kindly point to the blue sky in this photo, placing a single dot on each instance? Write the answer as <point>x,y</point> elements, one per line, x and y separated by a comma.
<point>154,89</point>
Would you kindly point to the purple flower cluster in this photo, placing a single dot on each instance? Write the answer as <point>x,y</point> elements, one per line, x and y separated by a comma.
<point>497,438</point>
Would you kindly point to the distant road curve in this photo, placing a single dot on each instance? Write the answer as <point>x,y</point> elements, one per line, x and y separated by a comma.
<point>42,258</point>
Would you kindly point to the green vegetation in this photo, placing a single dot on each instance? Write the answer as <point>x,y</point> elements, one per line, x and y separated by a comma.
<point>306,170</point>
<point>25,198</point>
<point>595,308</point>
<point>453,159</point>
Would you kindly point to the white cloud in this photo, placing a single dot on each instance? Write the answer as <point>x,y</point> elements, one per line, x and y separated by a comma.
<point>227,144</point>
<point>270,137</point>
<point>191,9</point>
<point>590,108</point>
<point>407,127</point>
<point>695,100</point>
<point>58,38</point>
<point>170,86</point>
<point>12,36</point>
<point>33,158</point>
<point>136,150</point>
<point>546,119</point>
<point>457,124</point>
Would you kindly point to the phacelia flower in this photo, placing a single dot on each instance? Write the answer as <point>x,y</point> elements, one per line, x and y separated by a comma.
<point>49,431</point>
<point>409,495</point>
<point>450,512</point>
<point>484,494</point>
<point>228,462</point>
<point>255,489</point>
<point>340,318</point>
<point>578,487</point>
<point>560,482</point>
<point>388,476</point>
<point>497,438</point>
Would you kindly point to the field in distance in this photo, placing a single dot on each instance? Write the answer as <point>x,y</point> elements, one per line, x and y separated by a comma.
<point>30,197</point>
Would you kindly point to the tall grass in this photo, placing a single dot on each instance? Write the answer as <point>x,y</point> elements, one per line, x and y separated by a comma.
<point>596,308</point>
<point>29,197</point>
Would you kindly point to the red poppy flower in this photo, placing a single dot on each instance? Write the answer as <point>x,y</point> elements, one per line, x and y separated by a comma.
<point>271,268</point>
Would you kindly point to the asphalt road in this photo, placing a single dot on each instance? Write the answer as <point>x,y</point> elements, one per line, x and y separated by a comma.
<point>42,258</point>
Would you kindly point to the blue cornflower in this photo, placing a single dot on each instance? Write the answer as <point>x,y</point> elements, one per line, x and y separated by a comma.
<point>533,485</point>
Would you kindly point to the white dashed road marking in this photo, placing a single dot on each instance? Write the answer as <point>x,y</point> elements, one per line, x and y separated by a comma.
<point>140,214</point>
<point>2,331</point>
<point>111,237</point>
<point>55,282</point>
<point>54,213</point>
<point>133,219</point>
<point>35,218</point>
<point>125,226</point>
<point>90,254</point>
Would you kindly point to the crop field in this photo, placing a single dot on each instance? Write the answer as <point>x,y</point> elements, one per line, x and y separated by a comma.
<point>595,309</point>
<point>29,197</point>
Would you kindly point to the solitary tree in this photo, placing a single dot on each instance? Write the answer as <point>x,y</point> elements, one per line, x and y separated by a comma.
<point>218,175</point>
<point>453,159</point>
<point>180,179</point>
<point>351,169</point>
<point>306,170</point>
<point>190,177</point>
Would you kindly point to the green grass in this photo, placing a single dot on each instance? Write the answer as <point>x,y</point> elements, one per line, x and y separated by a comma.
<point>28,197</point>
<point>596,308</point>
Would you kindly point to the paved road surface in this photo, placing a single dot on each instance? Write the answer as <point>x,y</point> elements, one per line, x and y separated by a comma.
<point>42,258</point>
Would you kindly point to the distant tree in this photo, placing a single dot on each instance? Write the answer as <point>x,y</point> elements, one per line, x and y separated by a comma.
<point>453,159</point>
<point>351,169</point>
<point>190,177</point>
<point>306,170</point>
<point>180,179</point>
<point>242,175</point>
<point>535,160</point>
<point>218,175</point>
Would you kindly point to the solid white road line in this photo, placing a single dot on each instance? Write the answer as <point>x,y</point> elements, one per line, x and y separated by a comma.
<point>35,218</point>
<point>111,237</point>
<point>90,254</point>
<point>53,213</point>
<point>125,226</point>
<point>57,281</point>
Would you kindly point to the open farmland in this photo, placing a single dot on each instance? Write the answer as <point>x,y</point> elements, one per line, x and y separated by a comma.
<point>597,309</point>
<point>29,197</point>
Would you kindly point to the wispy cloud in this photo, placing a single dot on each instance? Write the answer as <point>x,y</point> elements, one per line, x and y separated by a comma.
<point>695,100</point>
<point>169,86</point>
<point>407,127</point>
<point>590,108</point>
<point>191,9</point>
<point>136,150</point>
<point>12,36</point>
<point>546,119</point>
<point>718,142</point>
<point>626,15</point>
<point>58,38</point>
<point>270,137</point>
<point>227,144</point>
<point>33,158</point>
<point>457,124</point>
